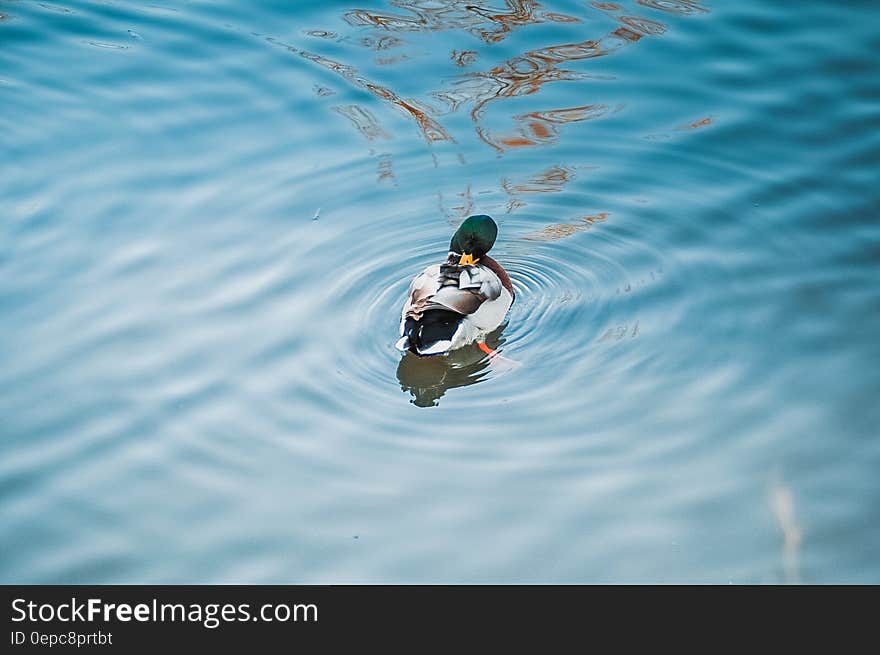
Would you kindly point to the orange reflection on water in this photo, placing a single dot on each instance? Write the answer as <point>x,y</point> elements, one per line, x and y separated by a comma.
<point>645,26</point>
<point>516,77</point>
<point>695,125</point>
<point>539,127</point>
<point>549,181</point>
<point>464,57</point>
<point>558,231</point>
<point>490,25</point>
<point>627,34</point>
<point>528,73</point>
<point>430,128</point>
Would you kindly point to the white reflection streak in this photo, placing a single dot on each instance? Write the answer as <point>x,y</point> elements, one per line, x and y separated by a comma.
<point>782,502</point>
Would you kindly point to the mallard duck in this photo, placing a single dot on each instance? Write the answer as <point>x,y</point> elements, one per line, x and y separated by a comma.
<point>460,301</point>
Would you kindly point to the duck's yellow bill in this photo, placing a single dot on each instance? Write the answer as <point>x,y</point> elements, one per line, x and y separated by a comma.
<point>467,259</point>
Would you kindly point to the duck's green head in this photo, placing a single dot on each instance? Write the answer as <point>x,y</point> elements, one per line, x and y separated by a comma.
<point>474,238</point>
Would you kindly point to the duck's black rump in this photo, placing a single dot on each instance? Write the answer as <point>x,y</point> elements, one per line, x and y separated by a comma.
<point>432,333</point>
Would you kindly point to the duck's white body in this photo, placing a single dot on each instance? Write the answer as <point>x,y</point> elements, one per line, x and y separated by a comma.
<point>458,305</point>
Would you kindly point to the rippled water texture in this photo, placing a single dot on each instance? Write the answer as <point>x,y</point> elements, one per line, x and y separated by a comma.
<point>209,216</point>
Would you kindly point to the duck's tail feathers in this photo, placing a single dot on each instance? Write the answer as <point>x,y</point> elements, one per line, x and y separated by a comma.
<point>432,334</point>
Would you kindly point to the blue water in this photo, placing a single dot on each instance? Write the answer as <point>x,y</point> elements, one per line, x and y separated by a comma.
<point>209,216</point>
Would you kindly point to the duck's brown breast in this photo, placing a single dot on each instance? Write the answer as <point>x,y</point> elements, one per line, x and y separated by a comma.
<point>496,268</point>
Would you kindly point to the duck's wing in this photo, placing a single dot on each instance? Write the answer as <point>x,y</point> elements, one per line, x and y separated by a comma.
<point>461,289</point>
<point>421,290</point>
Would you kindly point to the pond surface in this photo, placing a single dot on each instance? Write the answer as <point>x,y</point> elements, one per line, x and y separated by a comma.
<point>209,216</point>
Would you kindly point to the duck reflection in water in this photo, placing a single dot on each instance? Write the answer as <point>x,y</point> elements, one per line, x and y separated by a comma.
<point>428,378</point>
